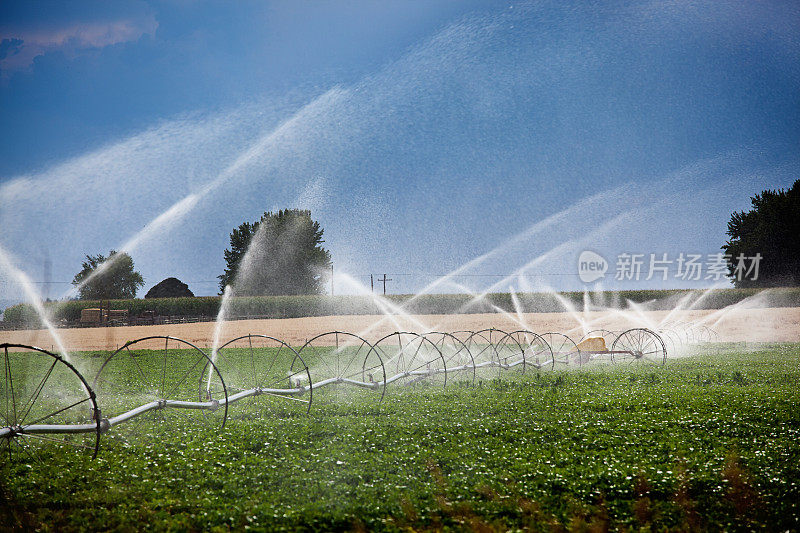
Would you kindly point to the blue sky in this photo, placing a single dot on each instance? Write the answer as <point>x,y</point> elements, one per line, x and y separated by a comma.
<point>421,134</point>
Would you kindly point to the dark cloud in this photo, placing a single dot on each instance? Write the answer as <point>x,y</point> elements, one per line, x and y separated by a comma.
<point>28,34</point>
<point>9,47</point>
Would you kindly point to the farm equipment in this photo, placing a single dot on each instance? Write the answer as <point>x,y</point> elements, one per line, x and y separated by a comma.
<point>165,384</point>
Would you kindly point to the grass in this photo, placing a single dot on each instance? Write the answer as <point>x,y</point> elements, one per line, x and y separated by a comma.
<point>707,442</point>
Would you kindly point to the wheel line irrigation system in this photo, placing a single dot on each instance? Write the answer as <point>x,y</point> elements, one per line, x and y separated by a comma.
<point>47,401</point>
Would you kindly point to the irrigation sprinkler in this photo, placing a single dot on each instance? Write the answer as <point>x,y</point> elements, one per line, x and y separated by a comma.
<point>166,380</point>
<point>261,365</point>
<point>46,405</point>
<point>686,331</point>
<point>339,357</point>
<point>411,359</point>
<point>608,336</point>
<point>706,334</point>
<point>524,349</point>
<point>483,351</point>
<point>153,386</point>
<point>639,345</point>
<point>671,339</point>
<point>565,350</point>
<point>508,350</point>
<point>458,360</point>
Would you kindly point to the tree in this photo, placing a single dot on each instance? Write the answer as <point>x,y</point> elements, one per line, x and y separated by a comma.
<point>771,230</point>
<point>108,278</point>
<point>169,288</point>
<point>278,254</point>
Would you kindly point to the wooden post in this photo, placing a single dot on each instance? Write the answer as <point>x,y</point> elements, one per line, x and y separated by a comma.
<point>384,280</point>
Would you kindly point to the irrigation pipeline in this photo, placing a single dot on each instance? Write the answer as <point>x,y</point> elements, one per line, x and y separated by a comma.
<point>338,358</point>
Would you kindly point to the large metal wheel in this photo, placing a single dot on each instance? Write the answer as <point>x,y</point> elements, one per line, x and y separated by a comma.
<point>500,356</point>
<point>339,359</point>
<point>411,359</point>
<point>684,330</point>
<point>266,367</point>
<point>525,349</point>
<point>565,350</point>
<point>608,336</point>
<point>154,387</point>
<point>47,407</point>
<point>459,361</point>
<point>671,340</point>
<point>705,334</point>
<point>639,345</point>
<point>483,352</point>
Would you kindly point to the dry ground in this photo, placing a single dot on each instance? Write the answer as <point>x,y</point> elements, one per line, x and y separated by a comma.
<point>755,325</point>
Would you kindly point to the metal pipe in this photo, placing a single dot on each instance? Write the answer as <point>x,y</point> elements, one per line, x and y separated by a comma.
<point>212,405</point>
<point>327,382</point>
<point>233,398</point>
<point>396,377</point>
<point>363,384</point>
<point>290,392</point>
<point>36,429</point>
<point>134,413</point>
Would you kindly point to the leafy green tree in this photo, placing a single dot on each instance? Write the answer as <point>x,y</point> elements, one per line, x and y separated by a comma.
<point>278,254</point>
<point>108,278</point>
<point>772,229</point>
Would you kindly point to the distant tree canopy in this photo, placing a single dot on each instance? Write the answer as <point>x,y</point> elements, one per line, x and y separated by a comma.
<point>115,280</point>
<point>771,229</point>
<point>169,288</point>
<point>278,254</point>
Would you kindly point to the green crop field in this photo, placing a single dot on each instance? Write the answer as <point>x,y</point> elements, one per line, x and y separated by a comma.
<point>710,441</point>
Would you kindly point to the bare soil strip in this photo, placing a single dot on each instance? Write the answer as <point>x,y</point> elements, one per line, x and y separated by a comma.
<point>781,324</point>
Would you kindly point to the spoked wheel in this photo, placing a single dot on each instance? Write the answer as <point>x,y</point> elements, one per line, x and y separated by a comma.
<point>47,408</point>
<point>639,345</point>
<point>684,330</point>
<point>339,359</point>
<point>706,334</point>
<point>565,351</point>
<point>411,359</point>
<point>263,376</point>
<point>499,360</point>
<point>523,350</point>
<point>676,333</point>
<point>595,345</point>
<point>457,358</point>
<point>671,340</point>
<point>149,390</point>
<point>508,352</point>
<point>608,336</point>
<point>483,353</point>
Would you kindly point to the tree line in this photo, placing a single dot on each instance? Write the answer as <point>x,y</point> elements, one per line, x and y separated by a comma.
<point>281,253</point>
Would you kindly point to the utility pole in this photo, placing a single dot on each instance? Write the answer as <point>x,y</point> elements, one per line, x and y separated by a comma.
<point>331,278</point>
<point>371,283</point>
<point>48,276</point>
<point>384,280</point>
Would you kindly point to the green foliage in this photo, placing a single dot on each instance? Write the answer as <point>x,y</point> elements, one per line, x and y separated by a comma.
<point>607,448</point>
<point>770,228</point>
<point>104,278</point>
<point>279,254</point>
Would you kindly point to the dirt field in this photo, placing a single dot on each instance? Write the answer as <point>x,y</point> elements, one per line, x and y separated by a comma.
<point>755,325</point>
